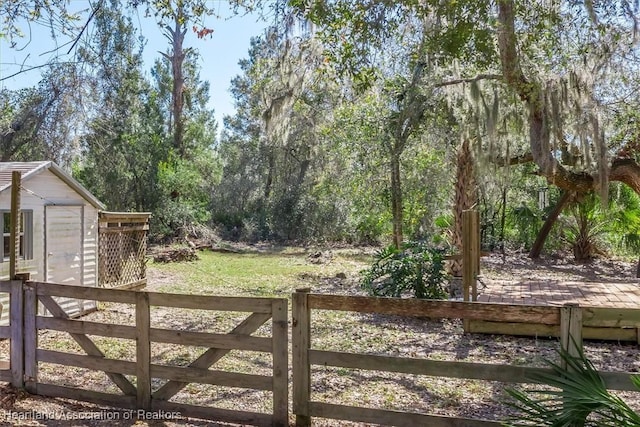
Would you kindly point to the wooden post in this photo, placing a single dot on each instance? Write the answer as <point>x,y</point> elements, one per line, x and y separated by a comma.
<point>30,336</point>
<point>143,352</point>
<point>280,330</point>
<point>14,235</point>
<point>466,252</point>
<point>470,254</point>
<point>470,258</point>
<point>300,338</point>
<point>571,329</point>
<point>16,316</point>
<point>475,253</point>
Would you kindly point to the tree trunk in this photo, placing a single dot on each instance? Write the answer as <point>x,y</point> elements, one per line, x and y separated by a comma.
<point>465,198</point>
<point>396,200</point>
<point>270,174</point>
<point>536,249</point>
<point>176,37</point>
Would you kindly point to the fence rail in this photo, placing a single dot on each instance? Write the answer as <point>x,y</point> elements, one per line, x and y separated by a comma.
<point>568,320</point>
<point>26,354</point>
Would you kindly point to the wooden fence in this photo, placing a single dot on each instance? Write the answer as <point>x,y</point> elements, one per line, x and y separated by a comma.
<point>568,319</point>
<point>25,353</point>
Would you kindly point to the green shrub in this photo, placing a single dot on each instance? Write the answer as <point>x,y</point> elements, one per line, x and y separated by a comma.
<point>416,269</point>
<point>578,397</point>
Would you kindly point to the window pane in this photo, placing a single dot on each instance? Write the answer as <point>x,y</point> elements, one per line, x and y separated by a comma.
<point>7,246</point>
<point>7,222</point>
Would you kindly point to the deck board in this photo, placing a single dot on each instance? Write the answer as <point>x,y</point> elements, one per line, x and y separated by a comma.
<point>555,292</point>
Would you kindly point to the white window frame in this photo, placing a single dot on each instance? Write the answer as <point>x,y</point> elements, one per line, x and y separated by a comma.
<point>26,235</point>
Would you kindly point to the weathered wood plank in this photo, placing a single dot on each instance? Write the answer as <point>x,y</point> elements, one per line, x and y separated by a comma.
<point>86,327</point>
<point>209,302</point>
<point>300,342</point>
<point>206,376</point>
<point>280,328</point>
<point>395,418</point>
<point>84,292</point>
<point>138,284</point>
<point>96,363</point>
<point>620,381</point>
<point>143,351</point>
<point>16,315</point>
<point>438,309</point>
<point>87,345</point>
<point>118,401</point>
<point>611,317</point>
<point>5,286</point>
<point>538,330</point>
<point>571,330</point>
<point>436,368</point>
<point>5,371</point>
<point>610,334</point>
<point>453,369</point>
<point>107,217</point>
<point>211,356</point>
<point>214,414</point>
<point>124,228</point>
<point>30,337</point>
<point>513,328</point>
<point>206,339</point>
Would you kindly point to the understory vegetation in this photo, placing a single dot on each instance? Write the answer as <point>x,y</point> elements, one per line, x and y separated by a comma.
<point>379,137</point>
<point>579,397</point>
<point>416,269</point>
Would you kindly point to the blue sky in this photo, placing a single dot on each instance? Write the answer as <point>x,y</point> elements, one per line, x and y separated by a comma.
<point>219,53</point>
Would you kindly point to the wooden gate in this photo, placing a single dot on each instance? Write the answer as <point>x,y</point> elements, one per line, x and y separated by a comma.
<point>26,353</point>
<point>6,372</point>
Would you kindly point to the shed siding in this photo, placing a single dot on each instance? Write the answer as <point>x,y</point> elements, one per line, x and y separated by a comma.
<point>47,189</point>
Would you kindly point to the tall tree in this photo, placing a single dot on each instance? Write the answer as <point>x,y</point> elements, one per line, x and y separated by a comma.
<point>554,61</point>
<point>124,141</point>
<point>39,123</point>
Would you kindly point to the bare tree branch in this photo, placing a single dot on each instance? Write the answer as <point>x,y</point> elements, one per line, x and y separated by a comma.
<point>471,79</point>
<point>86,24</point>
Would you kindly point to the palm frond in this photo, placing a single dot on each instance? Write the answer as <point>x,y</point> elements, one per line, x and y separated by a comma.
<point>578,397</point>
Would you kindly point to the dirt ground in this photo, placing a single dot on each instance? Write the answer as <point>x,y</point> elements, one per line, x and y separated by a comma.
<point>437,339</point>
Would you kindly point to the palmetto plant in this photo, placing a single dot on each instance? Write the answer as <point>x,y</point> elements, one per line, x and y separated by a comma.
<point>578,398</point>
<point>417,268</point>
<point>587,224</point>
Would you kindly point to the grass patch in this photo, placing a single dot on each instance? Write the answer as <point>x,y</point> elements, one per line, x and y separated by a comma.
<point>256,274</point>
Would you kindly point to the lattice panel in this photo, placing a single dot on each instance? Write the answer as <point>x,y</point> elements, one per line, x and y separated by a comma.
<point>122,257</point>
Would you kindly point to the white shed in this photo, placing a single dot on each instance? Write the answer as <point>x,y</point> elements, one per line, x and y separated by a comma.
<point>59,232</point>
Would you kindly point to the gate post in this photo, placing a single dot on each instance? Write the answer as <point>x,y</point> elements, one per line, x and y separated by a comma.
<point>279,328</point>
<point>143,352</point>
<point>16,316</point>
<point>30,336</point>
<point>300,340</point>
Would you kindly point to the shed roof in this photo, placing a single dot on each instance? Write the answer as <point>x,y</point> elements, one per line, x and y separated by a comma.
<point>31,169</point>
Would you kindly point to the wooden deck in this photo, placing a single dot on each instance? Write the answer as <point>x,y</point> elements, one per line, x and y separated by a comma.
<point>555,292</point>
<point>619,295</point>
